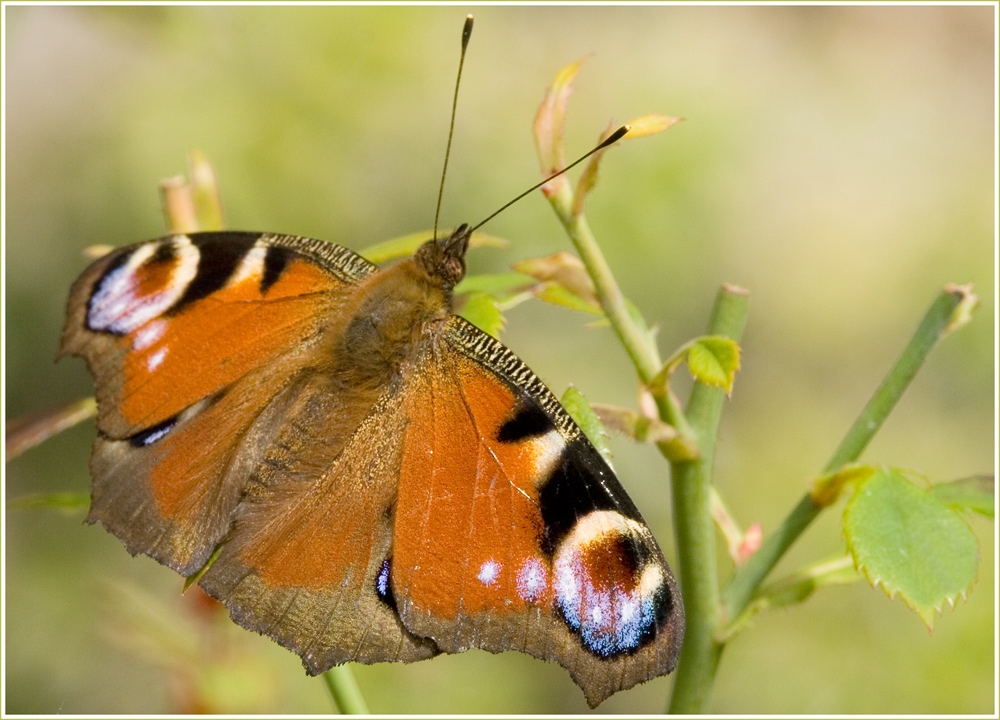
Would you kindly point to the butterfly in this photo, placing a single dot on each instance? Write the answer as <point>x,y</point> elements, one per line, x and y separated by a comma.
<point>354,470</point>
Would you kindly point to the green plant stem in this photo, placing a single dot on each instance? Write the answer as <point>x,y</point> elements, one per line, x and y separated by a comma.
<point>692,487</point>
<point>935,324</point>
<point>344,690</point>
<point>637,343</point>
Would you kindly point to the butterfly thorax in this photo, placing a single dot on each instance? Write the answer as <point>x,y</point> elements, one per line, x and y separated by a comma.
<point>397,312</point>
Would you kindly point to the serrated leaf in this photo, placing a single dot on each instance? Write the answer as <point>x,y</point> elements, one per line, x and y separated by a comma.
<point>481,310</point>
<point>905,539</point>
<point>580,410</point>
<point>714,360</point>
<point>977,493</point>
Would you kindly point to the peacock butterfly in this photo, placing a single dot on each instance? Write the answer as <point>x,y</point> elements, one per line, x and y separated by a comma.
<point>354,470</point>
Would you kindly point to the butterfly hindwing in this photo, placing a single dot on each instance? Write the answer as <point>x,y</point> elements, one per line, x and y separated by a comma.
<point>307,560</point>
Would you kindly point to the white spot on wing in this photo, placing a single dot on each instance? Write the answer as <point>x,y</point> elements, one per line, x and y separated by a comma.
<point>548,451</point>
<point>156,359</point>
<point>148,334</point>
<point>531,580</point>
<point>251,267</point>
<point>488,572</point>
<point>116,304</point>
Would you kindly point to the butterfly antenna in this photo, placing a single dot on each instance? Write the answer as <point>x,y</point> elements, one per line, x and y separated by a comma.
<point>612,138</point>
<point>466,34</point>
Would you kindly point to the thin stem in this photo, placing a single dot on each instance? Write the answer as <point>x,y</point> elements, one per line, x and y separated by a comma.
<point>641,351</point>
<point>692,496</point>
<point>937,322</point>
<point>344,690</point>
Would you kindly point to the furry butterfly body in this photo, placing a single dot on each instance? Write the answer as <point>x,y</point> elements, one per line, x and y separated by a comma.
<point>378,479</point>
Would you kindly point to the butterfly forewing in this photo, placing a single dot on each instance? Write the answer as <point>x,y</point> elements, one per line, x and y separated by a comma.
<point>193,341</point>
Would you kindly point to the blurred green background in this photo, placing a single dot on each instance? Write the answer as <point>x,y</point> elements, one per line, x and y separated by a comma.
<point>836,161</point>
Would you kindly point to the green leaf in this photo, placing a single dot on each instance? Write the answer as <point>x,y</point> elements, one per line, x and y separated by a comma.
<point>905,539</point>
<point>975,493</point>
<point>714,360</point>
<point>558,295</point>
<point>581,411</point>
<point>405,246</point>
<point>494,283</point>
<point>481,310</point>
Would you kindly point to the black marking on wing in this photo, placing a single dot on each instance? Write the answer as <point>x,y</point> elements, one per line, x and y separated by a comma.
<point>580,484</point>
<point>219,256</point>
<point>154,434</point>
<point>275,262</point>
<point>529,421</point>
<point>383,584</point>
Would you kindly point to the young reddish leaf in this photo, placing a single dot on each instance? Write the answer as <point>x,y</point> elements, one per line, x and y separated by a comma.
<point>741,545</point>
<point>565,269</point>
<point>633,425</point>
<point>714,360</point>
<point>178,205</point>
<point>196,205</point>
<point>905,539</point>
<point>650,124</point>
<point>549,126</point>
<point>588,177</point>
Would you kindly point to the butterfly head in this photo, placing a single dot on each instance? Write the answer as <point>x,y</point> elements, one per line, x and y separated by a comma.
<point>443,258</point>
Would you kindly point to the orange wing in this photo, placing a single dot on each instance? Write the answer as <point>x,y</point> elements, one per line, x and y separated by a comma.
<point>310,543</point>
<point>511,531</point>
<point>196,344</point>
